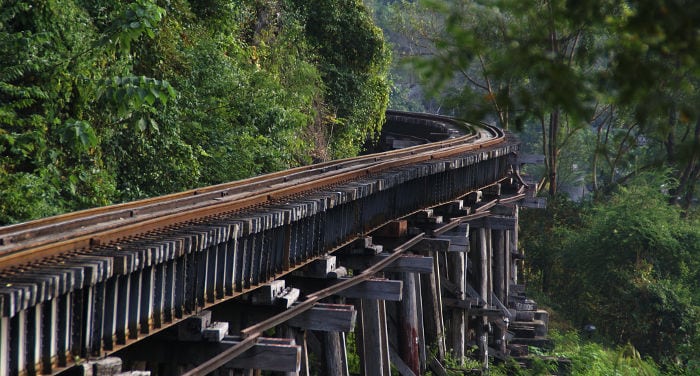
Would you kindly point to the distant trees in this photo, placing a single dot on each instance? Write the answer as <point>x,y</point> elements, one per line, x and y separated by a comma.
<point>626,70</point>
<point>110,101</point>
<point>610,86</point>
<point>628,264</point>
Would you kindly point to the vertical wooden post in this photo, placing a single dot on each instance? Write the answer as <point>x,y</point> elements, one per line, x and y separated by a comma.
<point>420,321</point>
<point>375,351</point>
<point>299,336</point>
<point>408,316</point>
<point>335,358</point>
<point>4,345</point>
<point>484,292</point>
<point>457,270</point>
<point>514,246</point>
<point>507,260</point>
<point>499,262</point>
<point>384,338</point>
<point>431,299</point>
<point>500,281</point>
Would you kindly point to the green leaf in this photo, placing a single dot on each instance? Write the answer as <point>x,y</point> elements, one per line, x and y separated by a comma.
<point>141,124</point>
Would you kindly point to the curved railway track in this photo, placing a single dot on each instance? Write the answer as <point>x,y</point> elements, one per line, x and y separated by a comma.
<point>29,241</point>
<point>196,248</point>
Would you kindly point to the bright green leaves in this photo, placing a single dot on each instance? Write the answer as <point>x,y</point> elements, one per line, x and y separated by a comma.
<point>78,134</point>
<point>140,17</point>
<point>128,94</point>
<point>113,100</point>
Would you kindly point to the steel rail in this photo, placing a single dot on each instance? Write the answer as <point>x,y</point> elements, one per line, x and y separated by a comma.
<point>252,333</point>
<point>20,231</point>
<point>121,229</point>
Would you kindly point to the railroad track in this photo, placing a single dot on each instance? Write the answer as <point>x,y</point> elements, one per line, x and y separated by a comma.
<point>196,248</point>
<point>26,242</point>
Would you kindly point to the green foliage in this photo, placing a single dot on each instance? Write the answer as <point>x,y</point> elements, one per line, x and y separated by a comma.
<point>628,264</point>
<point>592,359</point>
<point>353,64</point>
<point>103,101</point>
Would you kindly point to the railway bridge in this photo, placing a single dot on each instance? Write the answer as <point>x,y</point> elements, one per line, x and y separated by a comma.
<point>409,255</point>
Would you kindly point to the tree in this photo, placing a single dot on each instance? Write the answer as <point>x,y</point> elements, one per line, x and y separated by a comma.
<point>105,101</point>
<point>628,264</point>
<point>53,88</point>
<point>562,66</point>
<point>353,64</point>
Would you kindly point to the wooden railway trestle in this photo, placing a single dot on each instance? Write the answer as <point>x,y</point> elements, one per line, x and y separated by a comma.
<point>102,299</point>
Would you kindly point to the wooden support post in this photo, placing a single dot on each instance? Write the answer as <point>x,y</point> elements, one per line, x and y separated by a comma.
<point>482,333</point>
<point>433,323</point>
<point>499,261</point>
<point>408,316</point>
<point>457,272</point>
<point>384,335</point>
<point>299,337</point>
<point>421,327</point>
<point>499,282</point>
<point>375,351</point>
<point>334,354</point>
<point>514,247</point>
<point>4,345</point>
<point>507,267</point>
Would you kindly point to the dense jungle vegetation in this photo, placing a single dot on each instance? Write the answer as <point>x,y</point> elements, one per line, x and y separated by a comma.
<point>607,91</point>
<point>107,101</point>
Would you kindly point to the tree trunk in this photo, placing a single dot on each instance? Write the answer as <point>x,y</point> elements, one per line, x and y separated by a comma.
<point>552,151</point>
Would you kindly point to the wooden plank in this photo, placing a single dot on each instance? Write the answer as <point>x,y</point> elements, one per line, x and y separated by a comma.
<point>382,289</point>
<point>269,354</point>
<point>393,229</point>
<point>494,222</point>
<point>432,245</point>
<point>326,317</point>
<point>437,368</point>
<point>458,243</point>
<point>404,264</point>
